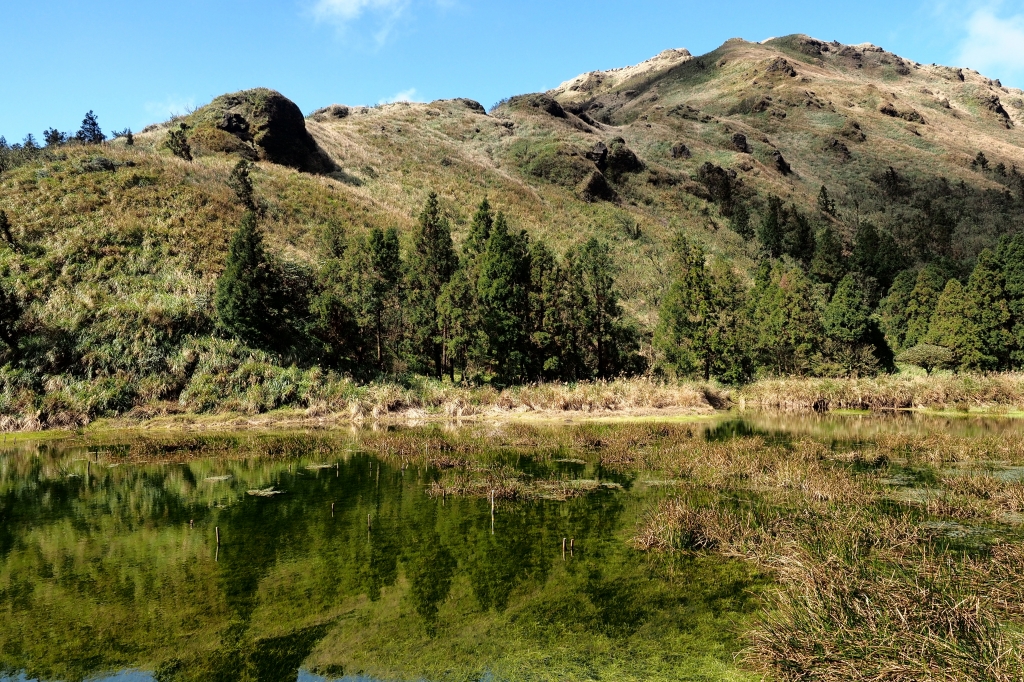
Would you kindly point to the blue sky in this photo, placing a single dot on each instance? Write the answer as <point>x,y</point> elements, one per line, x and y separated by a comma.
<point>136,62</point>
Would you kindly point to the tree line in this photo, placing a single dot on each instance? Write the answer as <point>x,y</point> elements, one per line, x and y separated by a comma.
<point>505,308</point>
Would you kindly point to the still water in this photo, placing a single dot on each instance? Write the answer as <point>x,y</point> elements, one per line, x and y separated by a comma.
<point>341,565</point>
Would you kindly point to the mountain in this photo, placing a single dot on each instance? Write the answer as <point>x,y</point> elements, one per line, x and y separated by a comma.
<point>118,247</point>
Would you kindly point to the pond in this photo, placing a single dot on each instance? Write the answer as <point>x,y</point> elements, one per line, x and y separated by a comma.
<point>341,564</point>
<point>498,552</point>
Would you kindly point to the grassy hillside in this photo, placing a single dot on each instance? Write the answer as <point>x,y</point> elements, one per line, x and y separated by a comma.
<point>116,248</point>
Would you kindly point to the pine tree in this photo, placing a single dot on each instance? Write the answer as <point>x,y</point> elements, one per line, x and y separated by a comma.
<point>845,318</point>
<point>892,310</point>
<point>989,313</point>
<point>799,237</point>
<point>687,313</point>
<point>552,354</point>
<point>828,264</point>
<point>920,306</point>
<point>771,232</point>
<point>951,326</point>
<point>430,267</point>
<point>240,181</point>
<point>1011,253</point>
<point>90,132</point>
<point>247,298</point>
<point>54,138</point>
<point>177,142</point>
<point>785,327</point>
<point>503,290</point>
<point>479,229</point>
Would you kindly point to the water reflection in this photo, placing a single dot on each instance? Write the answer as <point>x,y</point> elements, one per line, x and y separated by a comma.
<point>352,571</point>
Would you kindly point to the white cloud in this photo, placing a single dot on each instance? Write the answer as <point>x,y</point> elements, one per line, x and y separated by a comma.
<point>347,10</point>
<point>993,44</point>
<point>172,106</point>
<point>403,96</point>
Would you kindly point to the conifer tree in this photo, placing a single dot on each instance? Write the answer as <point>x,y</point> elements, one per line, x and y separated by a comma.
<point>503,290</point>
<point>552,352</point>
<point>90,132</point>
<point>240,181</point>
<point>431,264</point>
<point>951,326</point>
<point>177,142</point>
<point>825,202</point>
<point>247,299</point>
<point>845,318</point>
<point>479,229</point>
<point>990,315</point>
<point>687,313</point>
<point>458,321</point>
<point>771,232</point>
<point>920,306</point>
<point>373,273</point>
<point>741,221</point>
<point>799,238</point>
<point>892,310</point>
<point>827,264</point>
<point>1011,254</point>
<point>785,327</point>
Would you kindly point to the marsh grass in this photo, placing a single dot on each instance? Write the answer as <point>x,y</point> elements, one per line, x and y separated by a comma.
<point>868,588</point>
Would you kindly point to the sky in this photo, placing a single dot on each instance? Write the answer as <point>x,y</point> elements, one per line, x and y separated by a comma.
<point>135,62</point>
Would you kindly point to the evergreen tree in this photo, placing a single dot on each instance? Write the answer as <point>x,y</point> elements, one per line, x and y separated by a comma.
<point>846,316</point>
<point>865,249</point>
<point>90,132</point>
<point>458,320</point>
<point>54,138</point>
<point>552,353</point>
<point>799,237</point>
<point>921,304</point>
<point>430,267</point>
<point>785,327</point>
<point>333,321</point>
<point>827,265</point>
<point>1011,254</point>
<point>989,313</point>
<point>503,290</point>
<point>741,221</point>
<point>240,181</point>
<point>605,343</point>
<point>479,229</point>
<point>771,232</point>
<point>247,298</point>
<point>177,142</point>
<point>951,326</point>
<point>892,310</point>
<point>825,203</point>
<point>686,313</point>
<point>373,274</point>
<point>5,229</point>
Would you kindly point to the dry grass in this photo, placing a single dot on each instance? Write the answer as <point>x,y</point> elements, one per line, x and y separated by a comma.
<point>866,592</point>
<point>960,392</point>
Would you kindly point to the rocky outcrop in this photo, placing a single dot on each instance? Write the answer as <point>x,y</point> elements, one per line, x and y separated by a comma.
<point>258,124</point>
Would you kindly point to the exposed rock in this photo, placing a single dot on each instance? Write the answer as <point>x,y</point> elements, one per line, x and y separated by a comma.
<point>889,109</point>
<point>681,151</point>
<point>834,146</point>
<point>992,103</point>
<point>261,124</point>
<point>739,140</point>
<point>599,155</point>
<point>472,105</point>
<point>596,188</point>
<point>781,66</point>
<point>851,131</point>
<point>781,164</point>
<point>621,160</point>
<point>717,181</point>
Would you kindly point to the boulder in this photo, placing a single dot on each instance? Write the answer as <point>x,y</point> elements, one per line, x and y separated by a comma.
<point>739,141</point>
<point>599,155</point>
<point>621,160</point>
<point>781,164</point>
<point>681,151</point>
<point>334,112</point>
<point>596,188</point>
<point>261,124</point>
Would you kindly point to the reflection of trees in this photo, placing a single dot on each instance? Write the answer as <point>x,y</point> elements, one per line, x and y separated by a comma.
<point>430,570</point>
<point>498,563</point>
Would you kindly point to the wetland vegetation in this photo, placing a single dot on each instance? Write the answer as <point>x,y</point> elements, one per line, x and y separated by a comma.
<point>797,548</point>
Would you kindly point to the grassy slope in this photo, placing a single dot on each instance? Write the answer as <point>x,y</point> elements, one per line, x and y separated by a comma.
<point>121,264</point>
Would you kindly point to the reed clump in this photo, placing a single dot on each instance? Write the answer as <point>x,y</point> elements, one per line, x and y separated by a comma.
<point>960,392</point>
